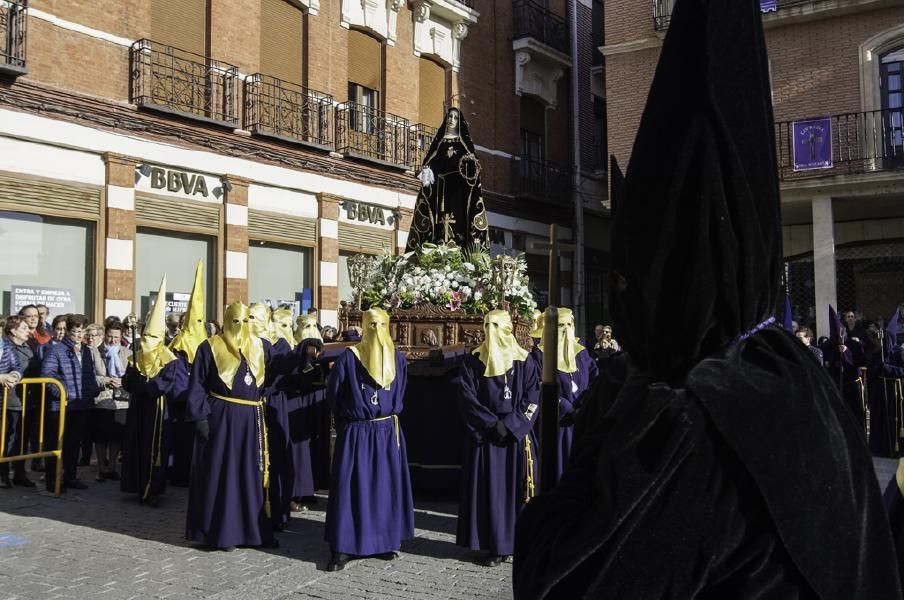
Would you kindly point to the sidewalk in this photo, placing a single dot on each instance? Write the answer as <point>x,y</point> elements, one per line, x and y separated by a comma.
<point>99,543</point>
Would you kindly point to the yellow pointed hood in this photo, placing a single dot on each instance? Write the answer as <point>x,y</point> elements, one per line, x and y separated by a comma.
<point>152,353</point>
<point>281,326</point>
<point>569,348</point>
<point>376,350</point>
<point>236,341</point>
<point>499,349</point>
<point>193,331</point>
<point>537,331</point>
<point>259,320</point>
<point>306,329</point>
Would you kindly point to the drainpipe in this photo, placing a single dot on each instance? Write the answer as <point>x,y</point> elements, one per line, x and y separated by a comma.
<point>577,264</point>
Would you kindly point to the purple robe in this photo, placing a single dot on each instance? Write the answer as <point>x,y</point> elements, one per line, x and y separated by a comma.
<point>144,447</point>
<point>370,509</point>
<point>226,498</point>
<point>181,433</point>
<point>570,400</point>
<point>886,395</point>
<point>281,468</point>
<point>494,478</point>
<point>894,506</point>
<point>306,421</point>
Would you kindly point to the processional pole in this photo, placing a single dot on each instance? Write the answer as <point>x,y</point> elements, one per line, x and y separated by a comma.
<point>549,389</point>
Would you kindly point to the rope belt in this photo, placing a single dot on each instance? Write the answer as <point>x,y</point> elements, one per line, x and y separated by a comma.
<point>863,404</point>
<point>395,424</point>
<point>528,455</point>
<point>263,444</point>
<point>156,450</point>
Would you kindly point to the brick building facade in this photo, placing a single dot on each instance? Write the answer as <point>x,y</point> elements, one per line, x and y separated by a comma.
<point>271,139</point>
<point>835,67</point>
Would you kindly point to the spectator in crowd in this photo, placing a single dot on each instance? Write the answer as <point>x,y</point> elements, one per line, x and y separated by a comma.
<point>37,337</point>
<point>854,326</point>
<point>94,335</point>
<point>12,370</point>
<point>29,355</point>
<point>70,362</point>
<point>329,333</point>
<point>43,315</point>
<point>597,332</point>
<point>805,335</point>
<point>213,328</point>
<point>352,334</point>
<point>58,333</point>
<point>313,311</point>
<point>173,326</point>
<point>605,345</point>
<point>112,402</point>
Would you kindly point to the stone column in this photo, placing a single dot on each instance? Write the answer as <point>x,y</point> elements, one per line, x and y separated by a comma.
<point>119,247</point>
<point>824,261</point>
<point>328,254</point>
<point>235,260</point>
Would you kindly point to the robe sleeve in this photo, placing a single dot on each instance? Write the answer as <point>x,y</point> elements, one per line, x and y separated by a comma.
<point>593,373</point>
<point>281,361</point>
<point>197,404</point>
<point>162,384</point>
<point>335,383</point>
<point>477,417</point>
<point>517,421</point>
<point>401,379</point>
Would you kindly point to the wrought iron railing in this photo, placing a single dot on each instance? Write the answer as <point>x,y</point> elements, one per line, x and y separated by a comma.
<point>839,144</point>
<point>173,80</point>
<point>288,111</point>
<point>13,36</point>
<point>540,179</point>
<point>534,20</point>
<point>469,3</point>
<point>662,14</point>
<point>366,132</point>
<point>421,137</point>
<point>767,6</point>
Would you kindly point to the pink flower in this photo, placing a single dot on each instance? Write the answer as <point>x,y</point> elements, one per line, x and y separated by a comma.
<point>455,302</point>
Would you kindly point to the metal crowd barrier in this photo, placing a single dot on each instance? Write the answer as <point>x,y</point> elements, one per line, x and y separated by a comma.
<point>41,453</point>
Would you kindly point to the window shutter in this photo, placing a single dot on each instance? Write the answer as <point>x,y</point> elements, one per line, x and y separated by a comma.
<point>432,87</point>
<point>180,23</point>
<point>49,197</point>
<point>281,40</point>
<point>365,61</point>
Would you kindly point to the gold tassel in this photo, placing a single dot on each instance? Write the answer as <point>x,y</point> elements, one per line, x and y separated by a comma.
<point>529,492</point>
<point>266,452</point>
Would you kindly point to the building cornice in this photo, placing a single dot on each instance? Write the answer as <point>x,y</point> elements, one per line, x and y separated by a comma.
<point>632,46</point>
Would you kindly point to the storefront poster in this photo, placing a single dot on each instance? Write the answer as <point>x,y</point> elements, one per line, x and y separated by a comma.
<point>812,144</point>
<point>57,300</point>
<point>176,302</point>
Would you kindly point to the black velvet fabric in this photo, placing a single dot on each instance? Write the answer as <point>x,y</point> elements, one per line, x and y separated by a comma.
<point>727,466</point>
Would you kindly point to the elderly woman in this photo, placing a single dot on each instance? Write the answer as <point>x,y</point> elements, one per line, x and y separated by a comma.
<point>112,402</point>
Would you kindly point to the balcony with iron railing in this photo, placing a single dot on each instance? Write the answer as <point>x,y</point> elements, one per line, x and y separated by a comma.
<point>375,135</point>
<point>662,9</point>
<point>533,20</point>
<point>171,80</point>
<point>13,36</point>
<point>540,179</point>
<point>421,137</point>
<point>287,111</point>
<point>843,144</point>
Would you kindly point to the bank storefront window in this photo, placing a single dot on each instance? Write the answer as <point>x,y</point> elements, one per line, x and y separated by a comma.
<point>48,260</point>
<point>176,255</point>
<point>279,273</point>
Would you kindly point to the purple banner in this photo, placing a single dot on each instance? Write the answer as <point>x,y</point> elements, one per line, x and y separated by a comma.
<point>768,5</point>
<point>812,144</point>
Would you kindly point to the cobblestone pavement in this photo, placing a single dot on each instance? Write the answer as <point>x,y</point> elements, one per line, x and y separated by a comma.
<point>98,543</point>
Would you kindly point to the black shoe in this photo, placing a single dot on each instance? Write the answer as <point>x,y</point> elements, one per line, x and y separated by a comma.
<point>337,561</point>
<point>84,462</point>
<point>112,475</point>
<point>23,481</point>
<point>308,500</point>
<point>154,501</point>
<point>228,549</point>
<point>100,478</point>
<point>272,543</point>
<point>76,484</point>
<point>5,483</point>
<point>492,560</point>
<point>387,556</point>
<point>297,507</point>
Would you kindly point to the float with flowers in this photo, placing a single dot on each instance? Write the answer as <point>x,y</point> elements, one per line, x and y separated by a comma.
<point>437,295</point>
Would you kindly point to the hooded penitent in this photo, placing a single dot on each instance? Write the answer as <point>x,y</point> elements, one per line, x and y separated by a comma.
<point>153,354</point>
<point>727,437</point>
<point>281,325</point>
<point>306,329</point>
<point>193,330</point>
<point>259,320</point>
<point>537,330</point>
<point>235,342</point>
<point>376,350</point>
<point>569,348</point>
<point>499,349</point>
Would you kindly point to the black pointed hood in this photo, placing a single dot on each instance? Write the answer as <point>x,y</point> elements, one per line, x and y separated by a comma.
<point>697,238</point>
